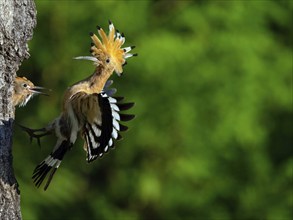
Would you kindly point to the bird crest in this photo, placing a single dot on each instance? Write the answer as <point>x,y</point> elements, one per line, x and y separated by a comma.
<point>107,50</point>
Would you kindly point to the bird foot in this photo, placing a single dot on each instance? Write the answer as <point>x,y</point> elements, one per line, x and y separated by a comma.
<point>35,133</point>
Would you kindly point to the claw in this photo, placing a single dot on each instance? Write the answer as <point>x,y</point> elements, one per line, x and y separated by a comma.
<point>35,133</point>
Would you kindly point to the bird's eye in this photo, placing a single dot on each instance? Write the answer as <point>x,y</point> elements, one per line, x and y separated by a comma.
<point>24,85</point>
<point>108,60</point>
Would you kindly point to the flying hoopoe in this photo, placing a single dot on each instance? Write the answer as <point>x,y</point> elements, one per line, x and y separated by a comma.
<point>89,109</point>
<point>24,90</point>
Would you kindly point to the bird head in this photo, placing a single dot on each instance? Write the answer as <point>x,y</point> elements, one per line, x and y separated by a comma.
<point>108,51</point>
<point>24,90</point>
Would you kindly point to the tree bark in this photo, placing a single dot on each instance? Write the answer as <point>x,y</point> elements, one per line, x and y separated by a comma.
<point>17,20</point>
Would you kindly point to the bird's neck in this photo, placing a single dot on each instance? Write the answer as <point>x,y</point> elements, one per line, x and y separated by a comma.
<point>93,84</point>
<point>97,80</point>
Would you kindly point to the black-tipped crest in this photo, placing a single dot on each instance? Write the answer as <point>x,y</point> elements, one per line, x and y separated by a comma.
<point>109,46</point>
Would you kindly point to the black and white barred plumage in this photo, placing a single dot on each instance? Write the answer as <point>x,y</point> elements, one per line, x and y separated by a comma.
<point>89,107</point>
<point>100,137</point>
<point>97,117</point>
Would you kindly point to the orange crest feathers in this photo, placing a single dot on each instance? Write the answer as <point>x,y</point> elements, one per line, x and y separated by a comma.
<point>108,50</point>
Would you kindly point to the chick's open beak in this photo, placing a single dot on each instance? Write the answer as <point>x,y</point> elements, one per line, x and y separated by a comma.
<point>36,89</point>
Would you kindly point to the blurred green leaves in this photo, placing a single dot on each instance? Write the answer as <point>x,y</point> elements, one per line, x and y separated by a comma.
<point>213,90</point>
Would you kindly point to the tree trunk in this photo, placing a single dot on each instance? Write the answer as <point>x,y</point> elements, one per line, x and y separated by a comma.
<point>17,20</point>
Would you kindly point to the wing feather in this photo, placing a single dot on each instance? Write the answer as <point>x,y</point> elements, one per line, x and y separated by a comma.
<point>101,116</point>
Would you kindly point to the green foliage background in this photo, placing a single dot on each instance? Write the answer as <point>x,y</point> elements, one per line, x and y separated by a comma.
<point>213,92</point>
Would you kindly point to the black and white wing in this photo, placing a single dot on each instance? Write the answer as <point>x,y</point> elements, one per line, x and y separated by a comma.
<point>100,133</point>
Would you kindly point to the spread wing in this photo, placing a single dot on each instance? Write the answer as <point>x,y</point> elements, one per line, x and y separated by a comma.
<point>100,118</point>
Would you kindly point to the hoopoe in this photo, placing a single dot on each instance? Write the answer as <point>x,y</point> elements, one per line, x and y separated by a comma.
<point>89,109</point>
<point>24,90</point>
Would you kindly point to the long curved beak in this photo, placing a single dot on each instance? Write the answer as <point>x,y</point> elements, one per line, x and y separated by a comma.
<point>36,89</point>
<point>94,59</point>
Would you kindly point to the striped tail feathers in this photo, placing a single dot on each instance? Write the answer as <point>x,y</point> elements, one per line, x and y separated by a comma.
<point>50,165</point>
<point>100,137</point>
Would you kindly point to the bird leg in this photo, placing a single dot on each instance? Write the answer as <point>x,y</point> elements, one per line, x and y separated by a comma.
<point>36,133</point>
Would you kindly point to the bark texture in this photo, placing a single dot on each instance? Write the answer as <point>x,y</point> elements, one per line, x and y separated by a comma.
<point>17,20</point>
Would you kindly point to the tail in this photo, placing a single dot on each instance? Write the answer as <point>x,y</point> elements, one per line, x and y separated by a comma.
<point>53,161</point>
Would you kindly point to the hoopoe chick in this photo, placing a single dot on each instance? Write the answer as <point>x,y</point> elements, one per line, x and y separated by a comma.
<point>24,90</point>
<point>89,109</point>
